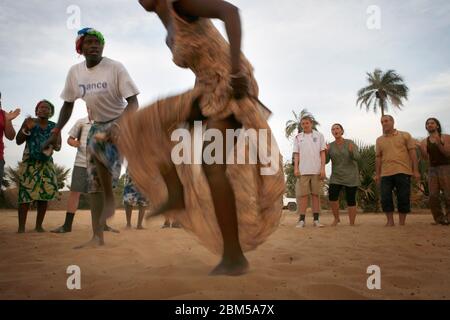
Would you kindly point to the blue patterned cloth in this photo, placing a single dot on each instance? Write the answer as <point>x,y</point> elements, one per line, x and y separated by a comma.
<point>105,151</point>
<point>131,196</point>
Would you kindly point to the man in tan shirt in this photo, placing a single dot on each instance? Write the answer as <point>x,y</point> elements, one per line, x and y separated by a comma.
<point>396,162</point>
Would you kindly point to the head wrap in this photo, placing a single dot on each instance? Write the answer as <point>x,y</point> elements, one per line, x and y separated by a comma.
<point>87,31</point>
<point>52,107</point>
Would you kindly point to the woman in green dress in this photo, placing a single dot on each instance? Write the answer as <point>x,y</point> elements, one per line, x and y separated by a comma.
<point>343,154</point>
<point>37,176</point>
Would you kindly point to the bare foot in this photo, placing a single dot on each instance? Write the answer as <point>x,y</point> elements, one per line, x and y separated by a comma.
<point>390,224</point>
<point>93,243</point>
<point>231,268</point>
<point>128,226</point>
<point>39,229</point>
<point>140,228</point>
<point>166,225</point>
<point>21,231</point>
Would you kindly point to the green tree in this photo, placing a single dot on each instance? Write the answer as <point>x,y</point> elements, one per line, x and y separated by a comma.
<point>368,195</point>
<point>383,87</point>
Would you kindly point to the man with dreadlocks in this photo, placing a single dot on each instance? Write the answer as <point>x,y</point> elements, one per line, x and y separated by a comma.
<point>109,91</point>
<point>436,149</point>
<point>37,176</point>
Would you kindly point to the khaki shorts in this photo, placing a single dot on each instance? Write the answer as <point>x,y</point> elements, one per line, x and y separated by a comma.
<point>307,184</point>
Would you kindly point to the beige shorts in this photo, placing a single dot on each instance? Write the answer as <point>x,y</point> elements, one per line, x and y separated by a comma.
<point>308,184</point>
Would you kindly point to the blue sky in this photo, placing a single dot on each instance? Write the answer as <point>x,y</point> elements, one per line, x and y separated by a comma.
<point>306,54</point>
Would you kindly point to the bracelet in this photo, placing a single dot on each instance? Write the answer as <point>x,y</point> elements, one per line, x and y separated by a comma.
<point>25,132</point>
<point>56,130</point>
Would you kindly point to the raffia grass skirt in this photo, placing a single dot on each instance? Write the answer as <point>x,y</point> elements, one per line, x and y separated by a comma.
<point>145,143</point>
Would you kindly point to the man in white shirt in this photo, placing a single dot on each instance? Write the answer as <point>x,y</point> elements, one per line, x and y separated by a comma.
<point>104,84</point>
<point>78,139</point>
<point>309,167</point>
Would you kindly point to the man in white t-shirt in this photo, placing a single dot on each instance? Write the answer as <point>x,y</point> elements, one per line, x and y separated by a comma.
<point>108,90</point>
<point>309,167</point>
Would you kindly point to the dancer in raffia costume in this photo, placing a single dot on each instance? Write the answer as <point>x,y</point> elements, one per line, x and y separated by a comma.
<point>231,208</point>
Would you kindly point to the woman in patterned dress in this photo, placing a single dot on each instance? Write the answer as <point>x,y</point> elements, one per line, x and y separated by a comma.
<point>231,208</point>
<point>36,172</point>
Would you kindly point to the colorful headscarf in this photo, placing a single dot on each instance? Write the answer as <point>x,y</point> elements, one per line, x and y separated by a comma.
<point>52,107</point>
<point>87,31</point>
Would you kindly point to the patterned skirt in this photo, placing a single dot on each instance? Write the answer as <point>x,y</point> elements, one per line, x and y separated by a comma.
<point>104,151</point>
<point>131,195</point>
<point>145,141</point>
<point>37,181</point>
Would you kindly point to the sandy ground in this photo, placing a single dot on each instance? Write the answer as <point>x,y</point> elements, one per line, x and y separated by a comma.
<point>310,263</point>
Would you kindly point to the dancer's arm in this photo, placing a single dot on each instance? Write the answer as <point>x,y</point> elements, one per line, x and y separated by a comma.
<point>222,10</point>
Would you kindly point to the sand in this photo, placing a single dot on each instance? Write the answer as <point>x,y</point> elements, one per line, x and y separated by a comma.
<point>310,263</point>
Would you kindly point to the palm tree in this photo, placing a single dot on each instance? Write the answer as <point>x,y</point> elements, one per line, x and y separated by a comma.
<point>293,126</point>
<point>383,88</point>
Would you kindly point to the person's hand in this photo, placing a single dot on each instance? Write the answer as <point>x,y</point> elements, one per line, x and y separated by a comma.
<point>350,147</point>
<point>323,175</point>
<point>11,115</point>
<point>239,84</point>
<point>29,123</point>
<point>296,172</point>
<point>76,143</point>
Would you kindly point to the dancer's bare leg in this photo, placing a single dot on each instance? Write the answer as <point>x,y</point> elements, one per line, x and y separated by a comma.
<point>175,200</point>
<point>233,260</point>
<point>96,203</point>
<point>335,209</point>
<point>108,195</point>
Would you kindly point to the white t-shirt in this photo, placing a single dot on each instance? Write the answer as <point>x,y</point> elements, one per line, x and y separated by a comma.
<point>309,146</point>
<point>80,131</point>
<point>103,88</point>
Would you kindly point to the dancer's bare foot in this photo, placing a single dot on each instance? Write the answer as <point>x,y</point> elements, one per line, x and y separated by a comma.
<point>166,225</point>
<point>140,228</point>
<point>231,268</point>
<point>335,222</point>
<point>176,225</point>
<point>39,229</point>
<point>390,224</point>
<point>95,242</point>
<point>128,226</point>
<point>21,230</point>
